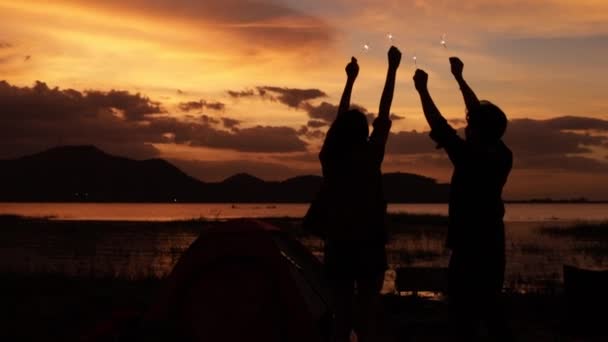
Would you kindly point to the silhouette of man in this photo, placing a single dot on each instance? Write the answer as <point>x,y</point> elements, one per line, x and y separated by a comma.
<point>351,161</point>
<point>482,163</point>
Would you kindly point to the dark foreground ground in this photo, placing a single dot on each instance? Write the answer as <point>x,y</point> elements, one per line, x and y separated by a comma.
<point>54,306</point>
<point>61,308</point>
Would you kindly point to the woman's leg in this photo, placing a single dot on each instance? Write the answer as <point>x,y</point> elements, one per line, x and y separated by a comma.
<point>462,299</point>
<point>338,272</point>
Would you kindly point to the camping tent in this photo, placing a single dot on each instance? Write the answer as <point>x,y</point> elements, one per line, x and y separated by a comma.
<point>245,280</point>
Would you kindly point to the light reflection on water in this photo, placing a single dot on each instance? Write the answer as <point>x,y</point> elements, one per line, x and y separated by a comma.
<point>179,211</point>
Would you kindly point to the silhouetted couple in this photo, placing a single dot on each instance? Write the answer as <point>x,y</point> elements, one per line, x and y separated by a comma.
<point>355,256</point>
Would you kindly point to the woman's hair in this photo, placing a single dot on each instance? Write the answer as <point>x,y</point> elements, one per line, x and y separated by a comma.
<point>346,133</point>
<point>489,120</point>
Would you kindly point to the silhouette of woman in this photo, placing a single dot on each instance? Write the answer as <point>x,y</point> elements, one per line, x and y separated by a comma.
<point>351,161</point>
<point>476,235</point>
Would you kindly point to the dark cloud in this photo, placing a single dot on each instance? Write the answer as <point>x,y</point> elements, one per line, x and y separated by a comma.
<point>34,118</point>
<point>219,106</point>
<point>560,143</point>
<point>302,99</point>
<point>321,112</point>
<point>242,93</point>
<point>327,112</point>
<point>5,45</point>
<point>396,117</point>
<point>291,97</point>
<point>133,107</point>
<point>316,123</point>
<point>530,138</point>
<point>526,137</point>
<point>208,120</point>
<point>40,101</point>
<point>577,123</point>
<point>231,123</point>
<point>190,106</point>
<point>258,139</point>
<point>311,134</point>
<point>556,144</point>
<point>252,139</point>
<point>200,105</point>
<point>315,134</point>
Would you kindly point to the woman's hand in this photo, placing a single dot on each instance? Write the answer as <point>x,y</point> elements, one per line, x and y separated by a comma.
<point>352,69</point>
<point>394,58</point>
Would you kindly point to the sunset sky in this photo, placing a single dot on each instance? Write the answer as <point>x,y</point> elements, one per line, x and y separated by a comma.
<point>219,87</point>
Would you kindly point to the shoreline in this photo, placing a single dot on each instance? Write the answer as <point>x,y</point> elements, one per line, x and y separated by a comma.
<point>515,212</point>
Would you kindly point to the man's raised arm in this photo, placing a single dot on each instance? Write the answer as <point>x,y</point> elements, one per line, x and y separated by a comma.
<point>470,99</point>
<point>431,112</point>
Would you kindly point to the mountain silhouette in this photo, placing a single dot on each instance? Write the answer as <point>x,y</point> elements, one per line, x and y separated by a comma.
<point>87,174</point>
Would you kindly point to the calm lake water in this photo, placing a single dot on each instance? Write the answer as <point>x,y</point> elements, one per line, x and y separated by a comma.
<point>178,211</point>
<point>136,250</point>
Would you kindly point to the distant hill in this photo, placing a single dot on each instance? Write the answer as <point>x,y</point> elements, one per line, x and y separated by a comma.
<point>87,174</point>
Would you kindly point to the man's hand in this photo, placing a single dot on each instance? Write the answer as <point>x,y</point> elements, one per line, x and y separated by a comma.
<point>457,66</point>
<point>394,58</point>
<point>352,69</point>
<point>421,80</point>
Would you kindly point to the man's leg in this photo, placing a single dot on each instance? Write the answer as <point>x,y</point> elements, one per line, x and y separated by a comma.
<point>495,310</point>
<point>462,308</point>
<point>368,300</point>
